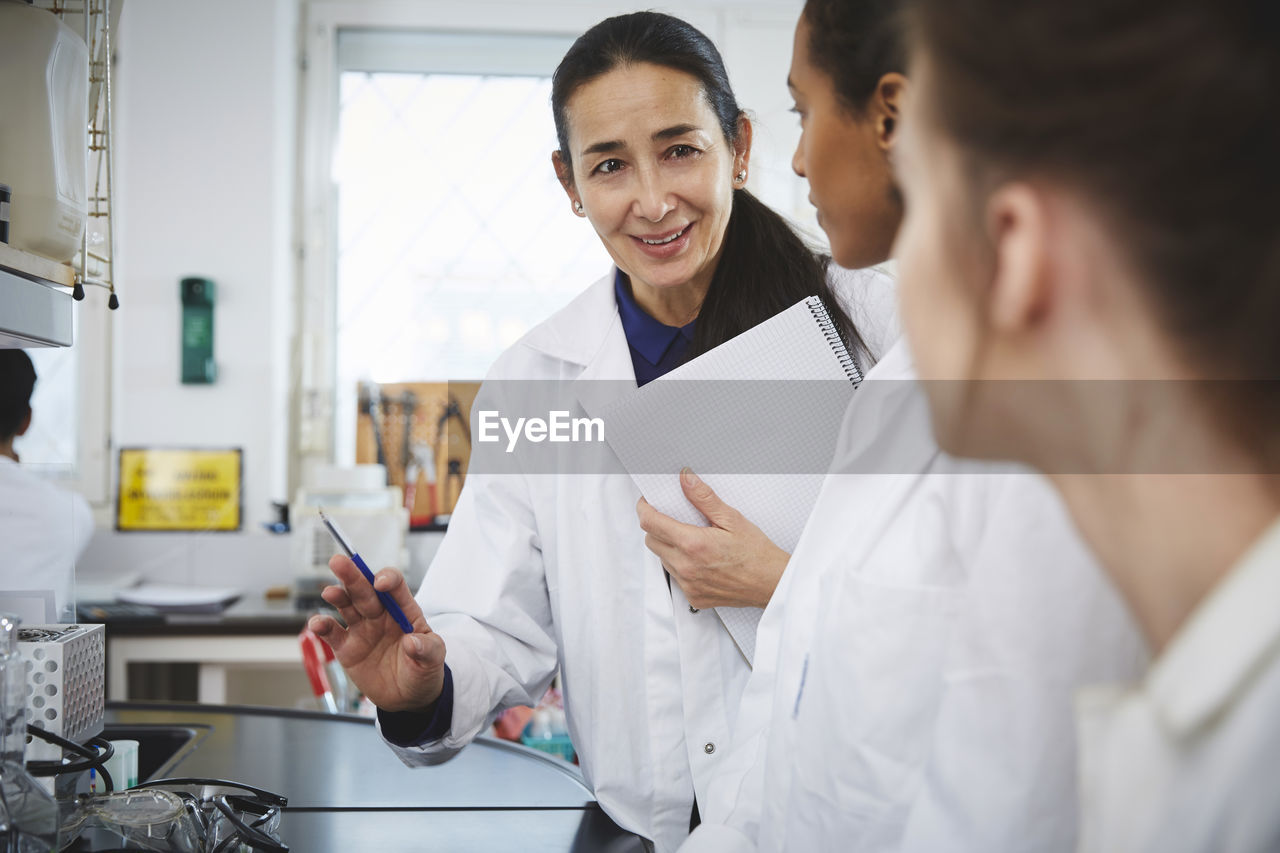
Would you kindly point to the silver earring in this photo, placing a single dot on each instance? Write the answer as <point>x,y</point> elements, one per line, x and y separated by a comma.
<point>577,205</point>
<point>741,176</point>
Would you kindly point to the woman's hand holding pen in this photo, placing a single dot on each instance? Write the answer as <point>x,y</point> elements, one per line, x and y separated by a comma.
<point>729,564</point>
<point>397,671</point>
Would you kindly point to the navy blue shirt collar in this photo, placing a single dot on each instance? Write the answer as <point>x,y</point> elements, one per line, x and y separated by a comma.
<point>647,337</point>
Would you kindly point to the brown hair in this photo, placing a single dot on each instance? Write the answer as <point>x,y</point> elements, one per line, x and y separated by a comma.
<point>1166,114</point>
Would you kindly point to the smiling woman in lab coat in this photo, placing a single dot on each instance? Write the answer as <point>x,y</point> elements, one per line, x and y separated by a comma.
<point>914,672</point>
<point>1127,268</point>
<point>546,571</point>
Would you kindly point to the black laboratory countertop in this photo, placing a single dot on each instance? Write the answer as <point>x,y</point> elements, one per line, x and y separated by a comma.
<point>348,792</point>
<point>252,613</point>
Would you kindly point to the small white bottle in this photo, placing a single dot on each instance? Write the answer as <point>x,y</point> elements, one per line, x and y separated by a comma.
<point>44,120</point>
<point>28,813</point>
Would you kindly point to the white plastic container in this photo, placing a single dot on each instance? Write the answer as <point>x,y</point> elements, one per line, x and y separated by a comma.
<point>44,118</point>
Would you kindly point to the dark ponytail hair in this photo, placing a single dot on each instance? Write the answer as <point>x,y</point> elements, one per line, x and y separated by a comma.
<point>1164,115</point>
<point>17,380</point>
<point>855,44</point>
<point>764,265</point>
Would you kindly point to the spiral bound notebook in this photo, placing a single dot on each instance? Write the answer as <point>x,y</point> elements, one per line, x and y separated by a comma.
<point>756,418</point>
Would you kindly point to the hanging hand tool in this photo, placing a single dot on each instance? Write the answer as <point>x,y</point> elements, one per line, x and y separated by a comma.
<point>451,488</point>
<point>371,405</point>
<point>408,403</point>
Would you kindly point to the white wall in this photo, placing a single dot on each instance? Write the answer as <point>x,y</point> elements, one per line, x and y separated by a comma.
<point>205,117</point>
<point>207,105</point>
<point>205,111</point>
<point>756,45</point>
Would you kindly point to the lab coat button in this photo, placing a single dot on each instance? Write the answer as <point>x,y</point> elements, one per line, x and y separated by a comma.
<point>709,748</point>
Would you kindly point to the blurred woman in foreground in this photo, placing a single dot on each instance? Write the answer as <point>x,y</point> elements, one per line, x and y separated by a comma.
<point>1120,225</point>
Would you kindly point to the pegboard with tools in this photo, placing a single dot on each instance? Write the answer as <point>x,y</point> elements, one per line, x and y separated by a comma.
<point>421,433</point>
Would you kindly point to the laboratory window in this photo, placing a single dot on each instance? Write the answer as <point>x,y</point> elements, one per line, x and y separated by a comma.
<point>452,235</point>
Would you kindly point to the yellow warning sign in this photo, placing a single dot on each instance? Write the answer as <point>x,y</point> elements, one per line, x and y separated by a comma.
<point>177,489</point>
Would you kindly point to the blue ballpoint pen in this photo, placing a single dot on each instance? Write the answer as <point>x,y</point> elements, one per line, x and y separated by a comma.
<point>387,601</point>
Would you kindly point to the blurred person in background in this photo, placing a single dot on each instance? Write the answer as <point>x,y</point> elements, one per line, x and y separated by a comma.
<point>43,529</point>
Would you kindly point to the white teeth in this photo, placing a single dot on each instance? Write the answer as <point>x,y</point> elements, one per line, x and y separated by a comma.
<point>668,240</point>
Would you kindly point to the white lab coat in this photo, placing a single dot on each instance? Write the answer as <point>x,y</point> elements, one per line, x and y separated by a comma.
<point>915,668</point>
<point>1188,761</point>
<point>551,570</point>
<point>43,532</point>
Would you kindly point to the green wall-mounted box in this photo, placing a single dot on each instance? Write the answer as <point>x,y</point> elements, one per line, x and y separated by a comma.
<point>198,367</point>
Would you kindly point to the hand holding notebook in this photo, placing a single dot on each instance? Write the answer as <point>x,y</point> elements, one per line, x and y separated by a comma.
<point>728,563</point>
<point>757,418</point>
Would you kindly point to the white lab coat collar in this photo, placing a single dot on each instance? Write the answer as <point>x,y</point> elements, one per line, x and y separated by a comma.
<point>1227,639</point>
<point>887,427</point>
<point>580,334</point>
<point>575,333</point>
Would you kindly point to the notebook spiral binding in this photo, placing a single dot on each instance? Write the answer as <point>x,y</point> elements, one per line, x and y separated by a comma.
<point>832,333</point>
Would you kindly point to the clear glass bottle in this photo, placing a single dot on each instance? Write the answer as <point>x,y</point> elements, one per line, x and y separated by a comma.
<point>28,813</point>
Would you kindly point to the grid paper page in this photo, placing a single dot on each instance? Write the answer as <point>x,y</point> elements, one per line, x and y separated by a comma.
<point>741,402</point>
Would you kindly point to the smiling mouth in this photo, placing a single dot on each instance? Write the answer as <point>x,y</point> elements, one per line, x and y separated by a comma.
<point>662,241</point>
